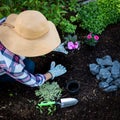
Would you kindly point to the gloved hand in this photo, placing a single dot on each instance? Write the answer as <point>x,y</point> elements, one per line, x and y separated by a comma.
<point>57,70</point>
<point>61,49</point>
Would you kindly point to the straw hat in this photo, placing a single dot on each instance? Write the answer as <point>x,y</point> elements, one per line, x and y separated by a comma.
<point>29,34</point>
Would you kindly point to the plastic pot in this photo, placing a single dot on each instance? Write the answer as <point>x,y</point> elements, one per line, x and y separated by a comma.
<point>73,87</point>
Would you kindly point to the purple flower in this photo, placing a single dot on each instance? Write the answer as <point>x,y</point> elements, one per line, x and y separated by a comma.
<point>96,37</point>
<point>72,45</point>
<point>76,45</point>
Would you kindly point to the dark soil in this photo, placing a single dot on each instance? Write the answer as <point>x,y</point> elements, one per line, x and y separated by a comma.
<point>17,101</point>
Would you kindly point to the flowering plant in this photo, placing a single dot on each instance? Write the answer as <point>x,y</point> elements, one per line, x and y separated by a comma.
<point>92,39</point>
<point>72,42</point>
<point>72,45</point>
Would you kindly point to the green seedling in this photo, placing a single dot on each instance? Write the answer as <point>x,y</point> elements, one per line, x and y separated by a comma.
<point>48,92</point>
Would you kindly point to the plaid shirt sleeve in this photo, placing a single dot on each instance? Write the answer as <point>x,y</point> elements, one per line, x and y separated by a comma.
<point>13,65</point>
<point>27,78</point>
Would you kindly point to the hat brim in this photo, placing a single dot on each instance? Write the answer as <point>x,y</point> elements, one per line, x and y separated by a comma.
<point>29,48</point>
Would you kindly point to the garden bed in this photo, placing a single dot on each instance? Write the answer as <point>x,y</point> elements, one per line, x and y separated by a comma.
<point>17,102</point>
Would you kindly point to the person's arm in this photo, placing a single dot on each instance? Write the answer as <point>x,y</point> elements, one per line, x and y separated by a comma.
<point>24,77</point>
<point>17,71</point>
<point>27,78</point>
<point>48,76</point>
<point>2,72</point>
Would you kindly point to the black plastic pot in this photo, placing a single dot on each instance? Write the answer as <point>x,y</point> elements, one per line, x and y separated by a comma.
<point>73,87</point>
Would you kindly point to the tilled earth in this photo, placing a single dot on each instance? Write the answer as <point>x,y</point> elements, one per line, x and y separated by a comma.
<point>17,101</point>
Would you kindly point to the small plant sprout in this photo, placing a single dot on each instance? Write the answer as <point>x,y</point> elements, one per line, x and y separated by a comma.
<point>91,39</point>
<point>72,42</point>
<point>48,92</point>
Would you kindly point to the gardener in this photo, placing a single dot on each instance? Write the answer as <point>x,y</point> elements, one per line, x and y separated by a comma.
<point>28,34</point>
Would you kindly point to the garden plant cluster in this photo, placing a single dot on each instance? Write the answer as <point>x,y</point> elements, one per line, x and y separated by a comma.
<point>92,17</point>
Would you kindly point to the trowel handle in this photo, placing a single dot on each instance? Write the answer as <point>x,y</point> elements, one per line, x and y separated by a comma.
<point>44,103</point>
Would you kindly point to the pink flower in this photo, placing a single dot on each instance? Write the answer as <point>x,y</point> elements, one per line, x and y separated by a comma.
<point>76,45</point>
<point>89,36</point>
<point>96,37</point>
<point>72,45</point>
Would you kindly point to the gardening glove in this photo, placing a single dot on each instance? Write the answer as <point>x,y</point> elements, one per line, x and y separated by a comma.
<point>56,70</point>
<point>61,49</point>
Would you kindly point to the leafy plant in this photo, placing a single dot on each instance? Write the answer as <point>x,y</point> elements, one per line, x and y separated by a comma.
<point>96,15</point>
<point>72,42</point>
<point>60,12</point>
<point>49,92</point>
<point>67,27</point>
<point>71,38</point>
<point>91,39</point>
<point>10,6</point>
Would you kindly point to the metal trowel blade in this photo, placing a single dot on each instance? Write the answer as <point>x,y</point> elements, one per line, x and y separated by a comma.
<point>67,102</point>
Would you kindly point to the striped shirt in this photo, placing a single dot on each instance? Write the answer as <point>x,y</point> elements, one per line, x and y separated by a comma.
<point>12,65</point>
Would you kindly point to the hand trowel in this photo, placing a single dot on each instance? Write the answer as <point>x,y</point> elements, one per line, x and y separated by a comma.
<point>64,102</point>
